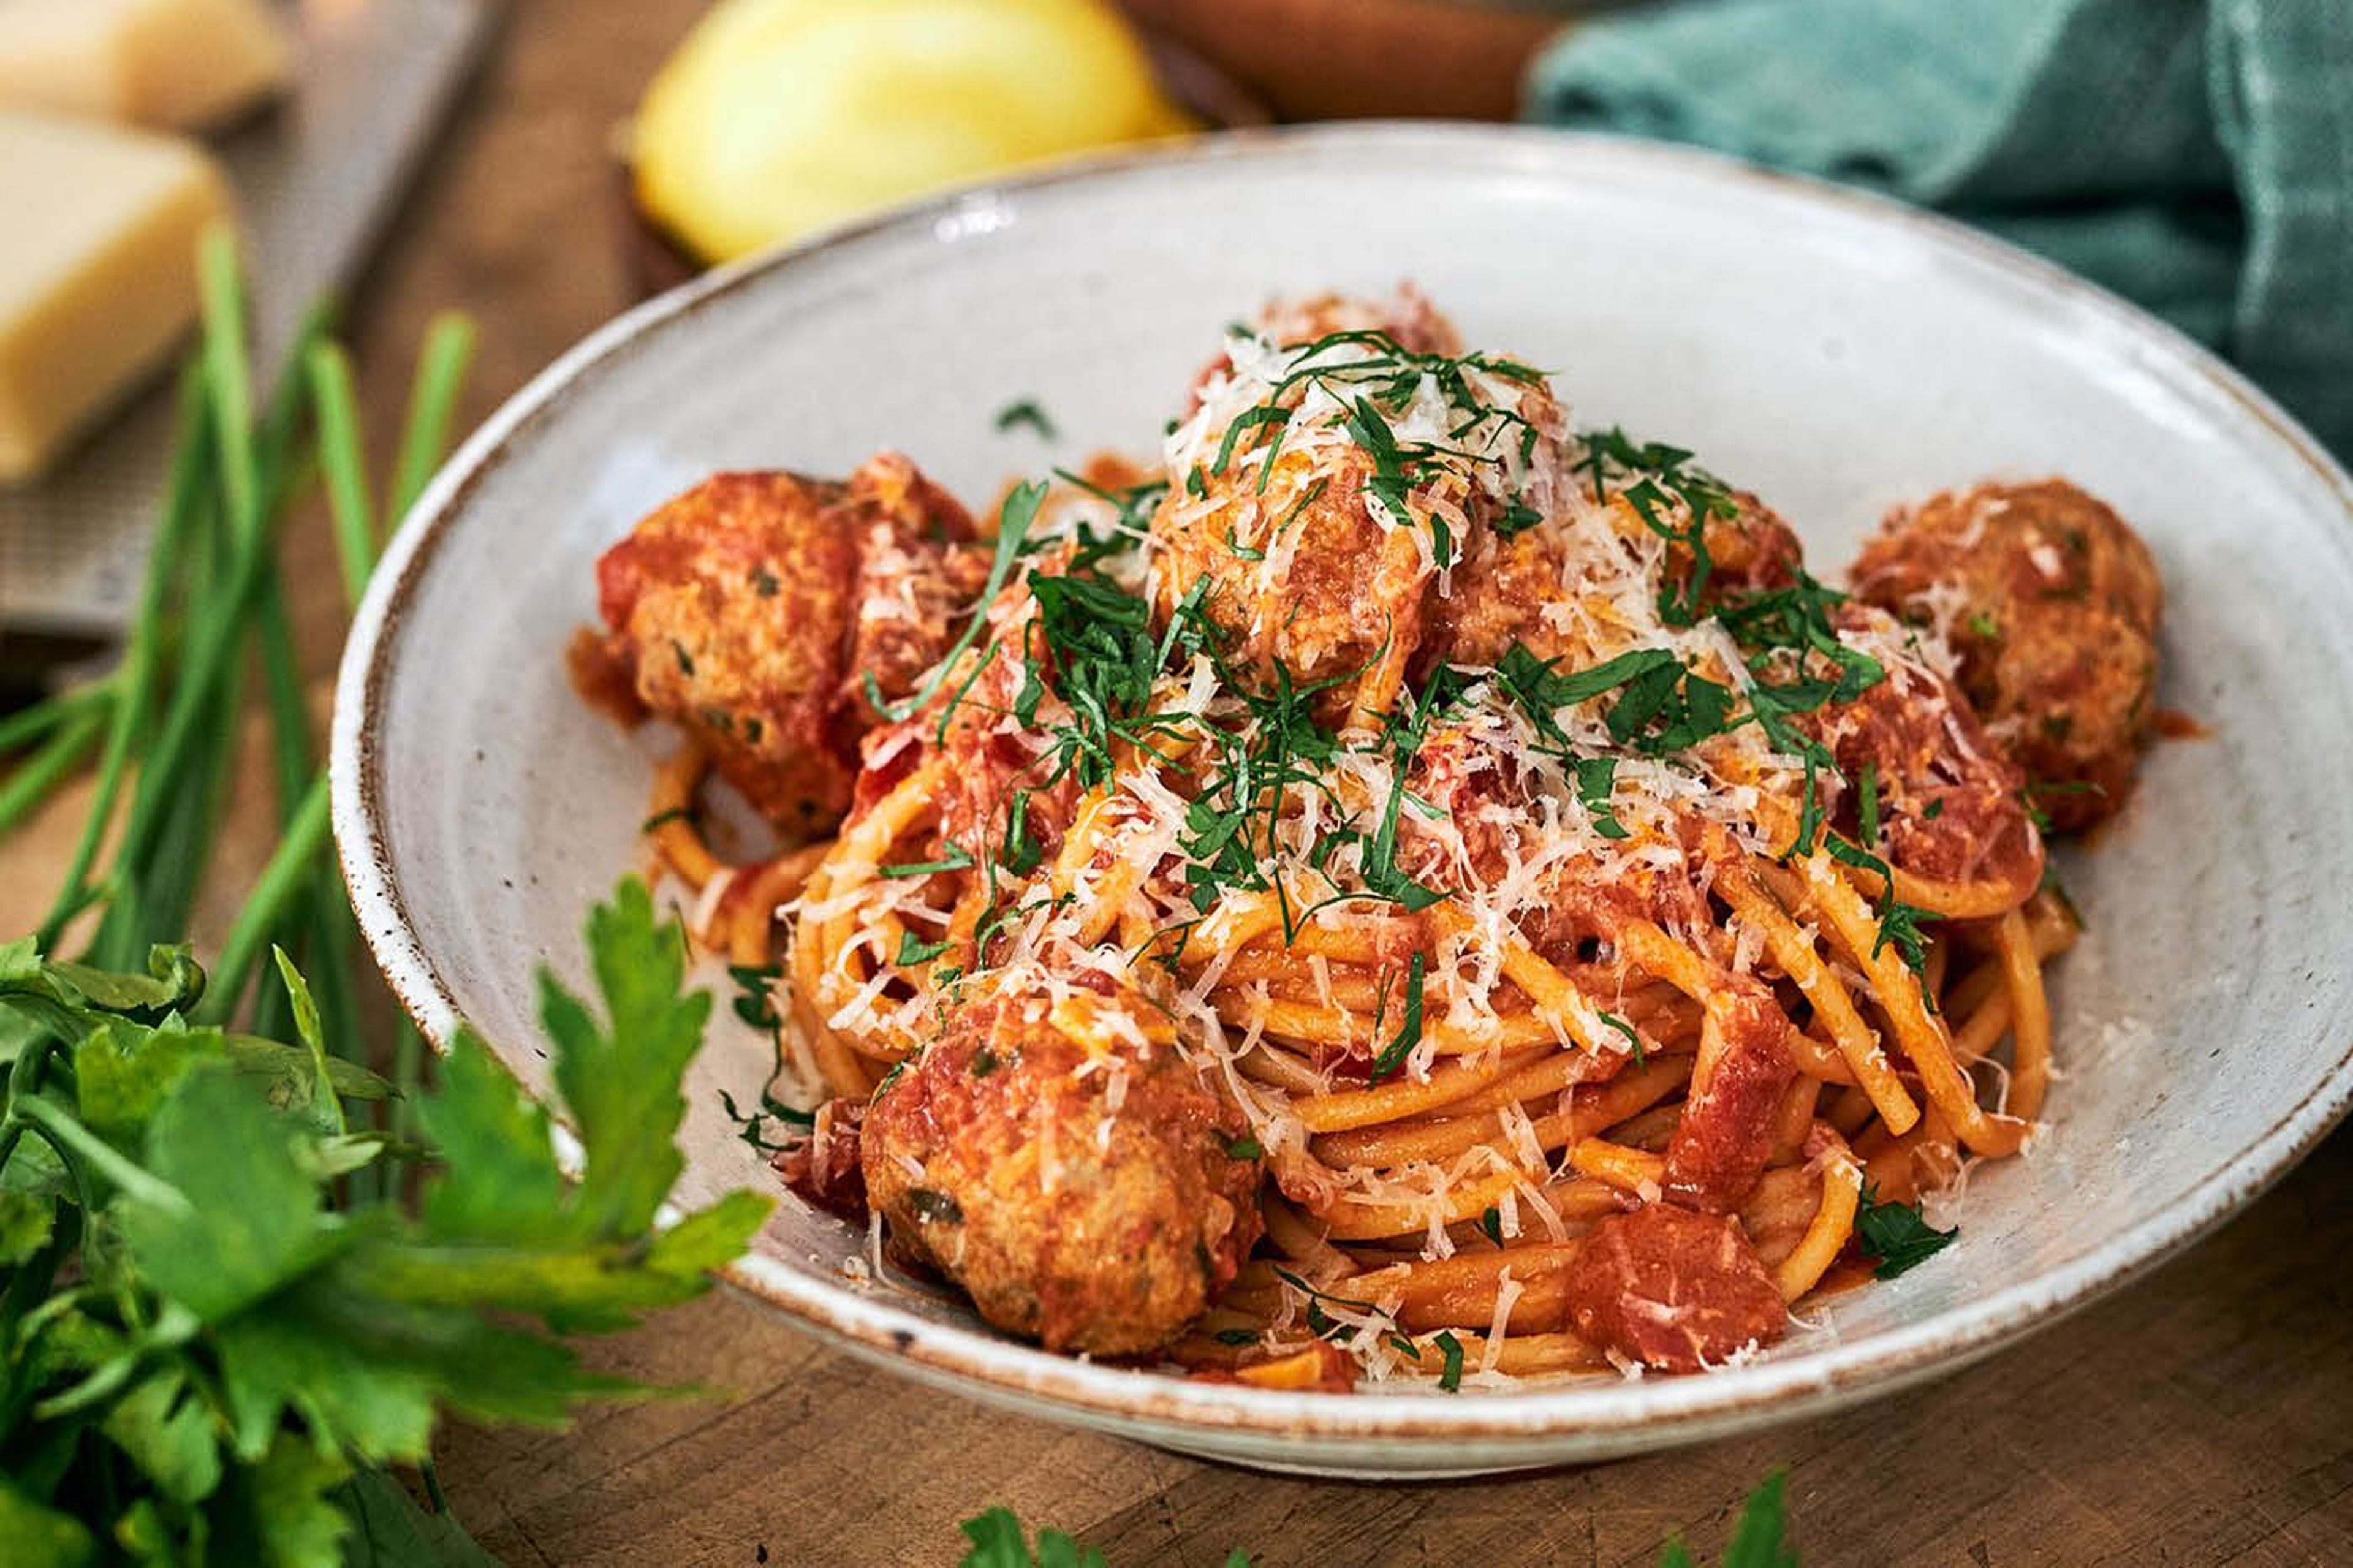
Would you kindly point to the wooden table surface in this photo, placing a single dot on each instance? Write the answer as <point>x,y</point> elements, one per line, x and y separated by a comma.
<point>2202,1416</point>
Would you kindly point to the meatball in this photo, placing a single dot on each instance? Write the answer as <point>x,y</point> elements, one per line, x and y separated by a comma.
<point>751,607</point>
<point>1306,577</point>
<point>1054,1154</point>
<point>2051,603</point>
<point>1320,502</point>
<point>1752,551</point>
<point>1507,584</point>
<point>1499,598</point>
<point>1672,1289</point>
<point>1407,317</point>
<point>1951,805</point>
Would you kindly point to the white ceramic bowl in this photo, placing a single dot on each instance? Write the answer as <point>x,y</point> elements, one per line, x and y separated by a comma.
<point>1833,352</point>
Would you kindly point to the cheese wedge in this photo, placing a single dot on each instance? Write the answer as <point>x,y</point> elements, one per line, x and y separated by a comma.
<point>98,272</point>
<point>173,64</point>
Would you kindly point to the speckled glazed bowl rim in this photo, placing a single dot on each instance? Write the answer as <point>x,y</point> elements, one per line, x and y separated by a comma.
<point>1308,1430</point>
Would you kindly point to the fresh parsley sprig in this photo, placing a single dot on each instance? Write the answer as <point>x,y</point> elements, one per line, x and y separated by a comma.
<point>202,1348</point>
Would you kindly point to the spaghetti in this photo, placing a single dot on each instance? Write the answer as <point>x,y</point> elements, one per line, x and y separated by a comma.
<point>1474,853</point>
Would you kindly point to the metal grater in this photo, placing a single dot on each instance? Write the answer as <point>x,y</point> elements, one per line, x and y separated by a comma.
<point>315,177</point>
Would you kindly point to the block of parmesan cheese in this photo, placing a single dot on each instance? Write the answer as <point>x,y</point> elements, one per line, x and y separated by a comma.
<point>173,64</point>
<point>98,270</point>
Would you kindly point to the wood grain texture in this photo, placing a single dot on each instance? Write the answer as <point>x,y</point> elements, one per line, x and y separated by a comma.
<point>2202,1416</point>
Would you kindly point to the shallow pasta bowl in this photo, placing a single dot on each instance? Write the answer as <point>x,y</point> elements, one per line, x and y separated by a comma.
<point>1833,354</point>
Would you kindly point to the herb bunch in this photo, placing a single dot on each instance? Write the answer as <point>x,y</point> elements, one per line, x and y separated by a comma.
<point>207,1350</point>
<point>221,1313</point>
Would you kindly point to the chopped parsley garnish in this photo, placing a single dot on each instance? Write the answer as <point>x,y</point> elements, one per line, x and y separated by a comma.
<point>756,993</point>
<point>1899,923</point>
<point>2058,891</point>
<point>1131,507</point>
<point>1633,1038</point>
<point>1022,851</point>
<point>1245,1148</point>
<point>1517,518</point>
<point>913,951</point>
<point>1263,416</point>
<point>1408,1035</point>
<point>1597,781</point>
<point>956,698</point>
<point>1307,498</point>
<point>1491,1224</point>
<point>1390,481</point>
<point>1450,1378</point>
<point>957,859</point>
<point>1027,412</point>
<point>752,1127</point>
<point>1324,1326</point>
<point>2031,796</point>
<point>1661,707</point>
<point>1897,1236</point>
<point>1665,472</point>
<point>1104,659</point>
<point>1380,871</point>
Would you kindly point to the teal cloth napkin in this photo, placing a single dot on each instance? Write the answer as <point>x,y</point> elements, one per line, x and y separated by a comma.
<point>2196,156</point>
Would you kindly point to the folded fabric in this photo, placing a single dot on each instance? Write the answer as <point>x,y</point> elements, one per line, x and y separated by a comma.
<point>2196,156</point>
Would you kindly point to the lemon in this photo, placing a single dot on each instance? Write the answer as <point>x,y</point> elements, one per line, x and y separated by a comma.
<point>777,118</point>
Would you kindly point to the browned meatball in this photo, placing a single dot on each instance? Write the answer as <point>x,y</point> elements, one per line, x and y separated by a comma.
<point>749,608</point>
<point>2051,602</point>
<point>1751,551</point>
<point>1408,318</point>
<point>1950,805</point>
<point>1317,525</point>
<point>918,574</point>
<point>1054,1152</point>
<point>1498,598</point>
<point>1305,578</point>
<point>1500,594</point>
